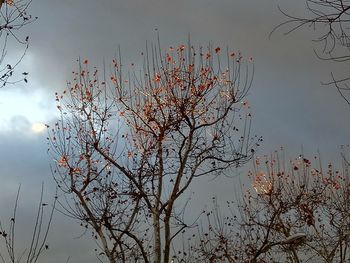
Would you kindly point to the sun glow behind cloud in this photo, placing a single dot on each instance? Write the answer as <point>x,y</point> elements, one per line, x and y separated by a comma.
<point>24,111</point>
<point>38,127</point>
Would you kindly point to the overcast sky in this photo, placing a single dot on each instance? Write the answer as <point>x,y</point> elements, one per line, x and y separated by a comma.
<point>290,107</point>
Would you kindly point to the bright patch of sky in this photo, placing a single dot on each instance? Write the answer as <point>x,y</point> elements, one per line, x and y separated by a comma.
<point>25,110</point>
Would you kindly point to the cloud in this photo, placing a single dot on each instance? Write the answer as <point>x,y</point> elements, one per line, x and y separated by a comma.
<point>22,110</point>
<point>19,123</point>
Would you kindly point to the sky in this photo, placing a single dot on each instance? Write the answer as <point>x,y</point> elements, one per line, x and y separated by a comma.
<point>291,109</point>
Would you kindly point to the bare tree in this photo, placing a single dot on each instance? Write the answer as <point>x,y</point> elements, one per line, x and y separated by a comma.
<point>331,18</point>
<point>298,212</point>
<point>13,16</point>
<point>128,147</point>
<point>37,245</point>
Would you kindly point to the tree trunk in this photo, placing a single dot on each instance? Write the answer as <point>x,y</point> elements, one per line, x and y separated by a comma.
<point>167,231</point>
<point>157,239</point>
<point>167,240</point>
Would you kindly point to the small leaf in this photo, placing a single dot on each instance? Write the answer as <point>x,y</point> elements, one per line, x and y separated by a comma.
<point>9,2</point>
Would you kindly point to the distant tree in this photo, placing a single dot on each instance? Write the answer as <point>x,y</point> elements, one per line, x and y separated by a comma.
<point>296,211</point>
<point>128,147</point>
<point>331,18</point>
<point>10,251</point>
<point>13,17</point>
